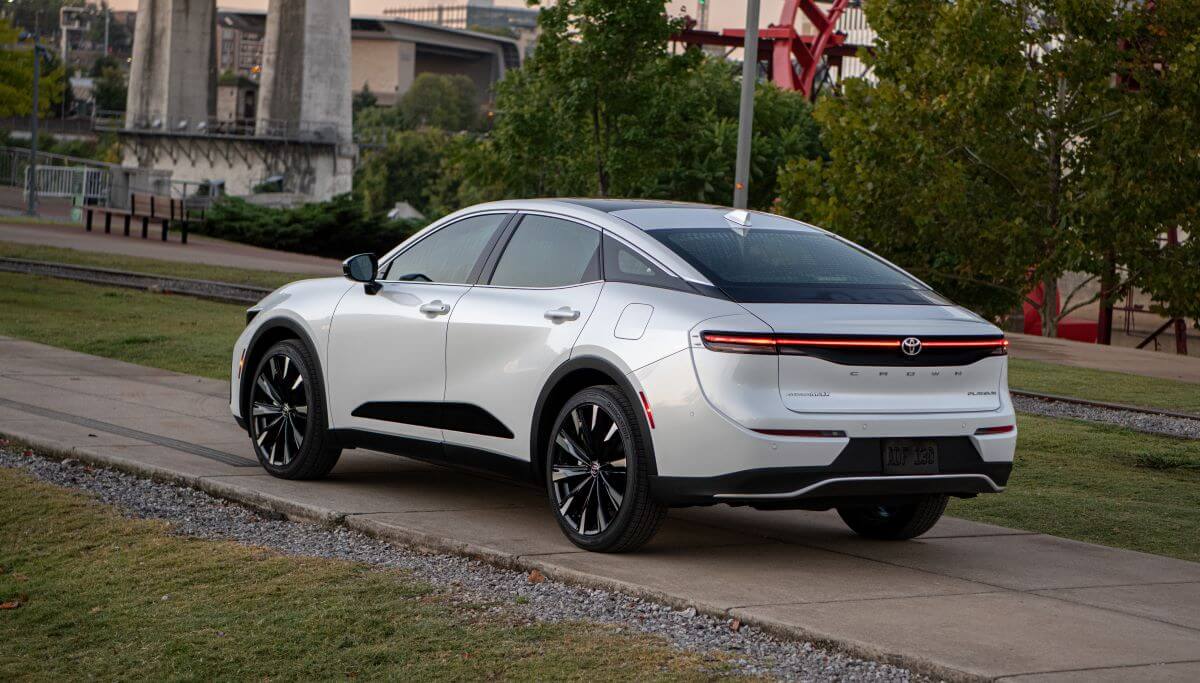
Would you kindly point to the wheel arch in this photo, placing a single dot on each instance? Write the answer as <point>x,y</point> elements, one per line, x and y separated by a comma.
<point>570,378</point>
<point>267,335</point>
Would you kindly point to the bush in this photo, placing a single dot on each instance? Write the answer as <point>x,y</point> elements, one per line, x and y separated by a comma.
<point>335,229</point>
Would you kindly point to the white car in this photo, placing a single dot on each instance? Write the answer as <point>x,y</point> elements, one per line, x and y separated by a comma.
<point>634,356</point>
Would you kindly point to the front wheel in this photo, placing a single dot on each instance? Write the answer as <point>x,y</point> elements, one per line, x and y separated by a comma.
<point>895,522</point>
<point>597,473</point>
<point>287,419</point>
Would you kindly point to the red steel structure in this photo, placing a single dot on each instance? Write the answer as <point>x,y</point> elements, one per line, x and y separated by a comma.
<point>793,58</point>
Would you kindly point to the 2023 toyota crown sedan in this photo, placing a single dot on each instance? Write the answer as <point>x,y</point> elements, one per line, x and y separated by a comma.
<point>632,356</point>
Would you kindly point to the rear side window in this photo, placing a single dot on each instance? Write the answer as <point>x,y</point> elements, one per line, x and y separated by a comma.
<point>623,264</point>
<point>549,252</point>
<point>792,266</point>
<point>448,255</point>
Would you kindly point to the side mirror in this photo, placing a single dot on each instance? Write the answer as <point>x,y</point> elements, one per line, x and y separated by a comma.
<point>363,268</point>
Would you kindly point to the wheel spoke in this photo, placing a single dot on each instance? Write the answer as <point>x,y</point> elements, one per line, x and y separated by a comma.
<point>265,384</point>
<point>614,495</point>
<point>261,409</point>
<point>564,472</point>
<point>572,448</point>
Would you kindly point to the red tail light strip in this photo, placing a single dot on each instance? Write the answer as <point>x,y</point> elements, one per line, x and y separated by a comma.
<point>762,343</point>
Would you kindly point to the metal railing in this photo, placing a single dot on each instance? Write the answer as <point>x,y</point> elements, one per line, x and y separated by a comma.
<point>58,175</point>
<point>320,132</point>
<point>91,184</point>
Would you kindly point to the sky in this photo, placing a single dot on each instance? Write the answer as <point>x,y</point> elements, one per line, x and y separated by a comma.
<point>722,13</point>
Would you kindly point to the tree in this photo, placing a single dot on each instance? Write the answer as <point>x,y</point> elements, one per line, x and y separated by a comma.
<point>364,99</point>
<point>440,101</point>
<point>405,170</point>
<point>993,154</point>
<point>111,89</point>
<point>16,76</point>
<point>42,14</point>
<point>603,109</point>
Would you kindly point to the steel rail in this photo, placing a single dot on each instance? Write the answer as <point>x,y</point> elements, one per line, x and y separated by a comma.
<point>204,289</point>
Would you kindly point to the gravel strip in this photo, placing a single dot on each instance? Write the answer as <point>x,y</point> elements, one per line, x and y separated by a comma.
<point>1143,422</point>
<point>194,513</point>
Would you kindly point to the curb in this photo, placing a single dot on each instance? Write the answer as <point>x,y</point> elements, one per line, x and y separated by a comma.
<point>422,541</point>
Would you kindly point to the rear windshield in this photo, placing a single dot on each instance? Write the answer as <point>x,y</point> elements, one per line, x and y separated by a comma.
<point>792,266</point>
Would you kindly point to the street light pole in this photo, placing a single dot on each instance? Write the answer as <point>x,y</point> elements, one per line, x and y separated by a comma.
<point>32,198</point>
<point>741,177</point>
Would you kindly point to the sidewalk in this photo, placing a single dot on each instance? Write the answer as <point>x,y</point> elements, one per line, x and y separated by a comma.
<point>1100,357</point>
<point>966,601</point>
<point>199,249</point>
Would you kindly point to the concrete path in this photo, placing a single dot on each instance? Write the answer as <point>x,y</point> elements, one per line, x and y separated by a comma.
<point>966,601</point>
<point>1100,357</point>
<point>199,249</point>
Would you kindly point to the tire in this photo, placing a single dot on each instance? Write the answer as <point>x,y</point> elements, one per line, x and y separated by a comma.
<point>895,522</point>
<point>602,523</point>
<point>287,401</point>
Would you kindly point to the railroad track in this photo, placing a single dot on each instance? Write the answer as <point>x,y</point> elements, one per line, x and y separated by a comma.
<point>204,289</point>
<point>1177,423</point>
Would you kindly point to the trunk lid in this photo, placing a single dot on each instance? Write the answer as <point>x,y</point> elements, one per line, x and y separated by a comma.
<point>848,358</point>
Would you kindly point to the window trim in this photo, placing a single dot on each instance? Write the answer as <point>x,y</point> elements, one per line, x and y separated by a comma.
<point>489,270</point>
<point>476,270</point>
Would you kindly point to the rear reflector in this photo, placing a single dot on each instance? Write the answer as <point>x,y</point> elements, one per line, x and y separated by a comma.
<point>807,433</point>
<point>1003,429</point>
<point>646,405</point>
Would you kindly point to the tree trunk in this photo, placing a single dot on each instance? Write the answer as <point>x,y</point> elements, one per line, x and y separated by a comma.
<point>597,142</point>
<point>1108,288</point>
<point>1049,310</point>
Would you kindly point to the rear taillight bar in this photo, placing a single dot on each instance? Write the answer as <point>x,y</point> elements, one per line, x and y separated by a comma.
<point>739,342</point>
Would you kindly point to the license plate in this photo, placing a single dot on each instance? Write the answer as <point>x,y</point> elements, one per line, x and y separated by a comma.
<point>909,456</point>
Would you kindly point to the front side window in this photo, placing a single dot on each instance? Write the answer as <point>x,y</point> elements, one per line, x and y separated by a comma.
<point>792,266</point>
<point>549,252</point>
<point>448,255</point>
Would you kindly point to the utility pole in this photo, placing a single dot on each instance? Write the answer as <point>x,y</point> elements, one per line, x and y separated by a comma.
<point>32,198</point>
<point>741,177</point>
<point>107,15</point>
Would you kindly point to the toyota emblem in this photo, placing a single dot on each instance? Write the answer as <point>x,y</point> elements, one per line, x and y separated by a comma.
<point>911,346</point>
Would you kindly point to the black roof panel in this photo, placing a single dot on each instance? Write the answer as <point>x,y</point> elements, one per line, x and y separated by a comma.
<point>611,205</point>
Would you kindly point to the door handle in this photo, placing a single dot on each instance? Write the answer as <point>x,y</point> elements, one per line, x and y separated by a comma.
<point>562,314</point>
<point>435,307</point>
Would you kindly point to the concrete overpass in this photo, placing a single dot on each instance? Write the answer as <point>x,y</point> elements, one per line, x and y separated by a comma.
<point>311,56</point>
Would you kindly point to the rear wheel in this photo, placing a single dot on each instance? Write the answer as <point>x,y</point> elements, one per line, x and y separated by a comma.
<point>597,473</point>
<point>287,419</point>
<point>895,522</point>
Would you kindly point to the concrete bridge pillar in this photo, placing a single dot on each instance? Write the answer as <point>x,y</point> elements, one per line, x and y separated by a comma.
<point>306,68</point>
<point>173,76</point>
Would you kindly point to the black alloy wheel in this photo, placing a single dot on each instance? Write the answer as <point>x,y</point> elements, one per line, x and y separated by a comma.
<point>597,473</point>
<point>287,421</point>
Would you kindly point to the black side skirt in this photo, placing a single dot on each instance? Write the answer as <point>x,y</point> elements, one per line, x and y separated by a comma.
<point>437,453</point>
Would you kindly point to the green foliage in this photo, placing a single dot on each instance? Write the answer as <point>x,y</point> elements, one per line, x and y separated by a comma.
<point>16,76</point>
<point>999,147</point>
<point>364,99</point>
<point>603,109</point>
<point>337,228</point>
<point>449,102</point>
<point>40,14</point>
<point>111,89</point>
<point>405,170</point>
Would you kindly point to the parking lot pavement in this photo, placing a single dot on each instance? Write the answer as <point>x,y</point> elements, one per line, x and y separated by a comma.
<point>968,600</point>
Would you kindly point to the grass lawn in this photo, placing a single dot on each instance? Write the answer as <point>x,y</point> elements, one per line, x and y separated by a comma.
<point>172,332</point>
<point>104,597</point>
<point>1099,484</point>
<point>1101,385</point>
<point>195,271</point>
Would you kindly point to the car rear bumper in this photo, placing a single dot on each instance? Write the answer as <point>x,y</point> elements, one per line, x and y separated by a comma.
<point>857,473</point>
